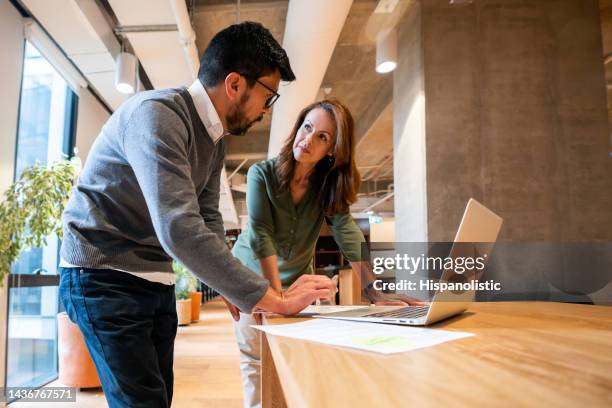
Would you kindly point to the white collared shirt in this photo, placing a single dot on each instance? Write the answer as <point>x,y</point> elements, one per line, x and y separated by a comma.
<point>206,111</point>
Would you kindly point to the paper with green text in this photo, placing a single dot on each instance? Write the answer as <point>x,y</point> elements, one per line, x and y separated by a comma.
<point>379,338</point>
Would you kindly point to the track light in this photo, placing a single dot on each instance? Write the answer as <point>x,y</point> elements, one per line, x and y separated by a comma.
<point>386,51</point>
<point>125,75</point>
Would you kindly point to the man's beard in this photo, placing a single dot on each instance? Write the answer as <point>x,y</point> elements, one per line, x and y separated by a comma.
<point>237,122</point>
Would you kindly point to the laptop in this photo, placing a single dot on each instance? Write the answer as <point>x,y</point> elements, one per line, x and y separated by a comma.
<point>480,226</point>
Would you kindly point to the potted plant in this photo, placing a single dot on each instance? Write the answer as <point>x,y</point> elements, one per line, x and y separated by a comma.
<point>196,302</point>
<point>192,285</point>
<point>30,212</point>
<point>32,209</point>
<point>185,284</point>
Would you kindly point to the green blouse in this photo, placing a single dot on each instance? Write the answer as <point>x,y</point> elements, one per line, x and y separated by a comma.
<point>277,227</point>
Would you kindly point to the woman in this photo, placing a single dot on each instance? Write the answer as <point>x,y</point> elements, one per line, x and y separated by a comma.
<point>314,178</point>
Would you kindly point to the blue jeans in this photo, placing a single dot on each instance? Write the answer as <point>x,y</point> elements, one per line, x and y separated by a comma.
<point>129,325</point>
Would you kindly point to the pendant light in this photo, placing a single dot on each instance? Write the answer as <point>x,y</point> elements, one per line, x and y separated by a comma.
<point>125,74</point>
<point>386,51</point>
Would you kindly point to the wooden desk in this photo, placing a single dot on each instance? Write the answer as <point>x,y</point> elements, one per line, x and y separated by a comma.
<point>523,354</point>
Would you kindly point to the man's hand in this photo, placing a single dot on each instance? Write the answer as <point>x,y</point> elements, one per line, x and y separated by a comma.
<point>305,290</point>
<point>236,312</point>
<point>232,309</point>
<point>305,280</point>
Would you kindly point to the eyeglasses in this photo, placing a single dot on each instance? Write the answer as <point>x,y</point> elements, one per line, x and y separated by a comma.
<point>272,99</point>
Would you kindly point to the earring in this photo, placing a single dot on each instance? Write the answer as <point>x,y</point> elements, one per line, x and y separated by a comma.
<point>330,159</point>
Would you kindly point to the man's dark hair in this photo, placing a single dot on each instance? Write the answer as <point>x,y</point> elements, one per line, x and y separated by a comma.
<point>247,48</point>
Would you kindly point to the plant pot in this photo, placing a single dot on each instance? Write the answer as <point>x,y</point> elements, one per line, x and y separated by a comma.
<point>183,311</point>
<point>196,302</point>
<point>76,368</point>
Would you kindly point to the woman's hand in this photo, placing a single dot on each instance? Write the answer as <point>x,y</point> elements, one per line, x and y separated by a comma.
<point>392,299</point>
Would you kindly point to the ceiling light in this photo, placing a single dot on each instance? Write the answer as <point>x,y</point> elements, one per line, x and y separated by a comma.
<point>125,75</point>
<point>386,51</point>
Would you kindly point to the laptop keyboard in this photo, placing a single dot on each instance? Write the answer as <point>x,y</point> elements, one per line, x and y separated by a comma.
<point>411,312</point>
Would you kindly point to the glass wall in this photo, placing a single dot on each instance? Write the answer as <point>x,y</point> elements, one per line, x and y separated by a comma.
<point>46,118</point>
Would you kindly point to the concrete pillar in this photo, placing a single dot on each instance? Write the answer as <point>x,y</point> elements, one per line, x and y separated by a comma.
<point>514,96</point>
<point>409,132</point>
<point>312,30</point>
<point>504,101</point>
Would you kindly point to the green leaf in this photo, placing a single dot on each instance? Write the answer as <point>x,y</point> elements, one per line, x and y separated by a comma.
<point>31,208</point>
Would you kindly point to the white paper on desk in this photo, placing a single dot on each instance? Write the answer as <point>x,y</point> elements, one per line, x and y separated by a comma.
<point>324,309</point>
<point>379,338</point>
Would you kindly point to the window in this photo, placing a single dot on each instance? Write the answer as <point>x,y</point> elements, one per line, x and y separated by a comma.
<point>46,126</point>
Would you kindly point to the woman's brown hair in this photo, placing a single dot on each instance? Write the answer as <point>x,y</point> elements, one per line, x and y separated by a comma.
<point>337,179</point>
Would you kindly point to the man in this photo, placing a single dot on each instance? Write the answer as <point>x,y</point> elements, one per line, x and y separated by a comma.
<point>148,194</point>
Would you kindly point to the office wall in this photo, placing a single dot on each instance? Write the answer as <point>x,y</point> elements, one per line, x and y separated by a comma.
<point>11,44</point>
<point>11,62</point>
<point>605,7</point>
<point>91,117</point>
<point>517,117</point>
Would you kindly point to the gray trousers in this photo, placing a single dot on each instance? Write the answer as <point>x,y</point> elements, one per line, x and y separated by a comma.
<point>249,344</point>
